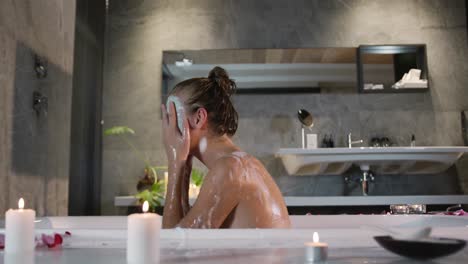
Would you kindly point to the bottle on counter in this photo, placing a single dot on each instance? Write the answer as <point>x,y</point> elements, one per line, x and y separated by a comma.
<point>413,141</point>
<point>324,142</point>
<point>331,143</point>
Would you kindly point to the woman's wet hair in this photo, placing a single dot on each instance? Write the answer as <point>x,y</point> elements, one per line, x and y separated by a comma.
<point>214,94</point>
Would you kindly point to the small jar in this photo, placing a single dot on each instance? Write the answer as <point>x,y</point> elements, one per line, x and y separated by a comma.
<point>416,208</point>
<point>375,142</point>
<point>399,209</point>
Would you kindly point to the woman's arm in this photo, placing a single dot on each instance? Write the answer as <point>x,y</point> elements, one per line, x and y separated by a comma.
<point>175,207</point>
<point>180,165</point>
<point>185,185</point>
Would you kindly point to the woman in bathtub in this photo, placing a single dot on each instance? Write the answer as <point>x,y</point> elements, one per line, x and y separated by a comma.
<point>237,192</point>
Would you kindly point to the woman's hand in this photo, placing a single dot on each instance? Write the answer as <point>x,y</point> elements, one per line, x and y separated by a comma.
<point>177,150</point>
<point>177,145</point>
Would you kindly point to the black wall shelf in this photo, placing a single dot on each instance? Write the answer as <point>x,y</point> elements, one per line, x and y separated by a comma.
<point>404,57</point>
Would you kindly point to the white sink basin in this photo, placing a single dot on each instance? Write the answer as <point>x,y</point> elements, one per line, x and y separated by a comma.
<point>392,160</point>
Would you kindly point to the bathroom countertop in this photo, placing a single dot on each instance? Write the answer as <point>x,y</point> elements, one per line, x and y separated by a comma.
<point>125,201</point>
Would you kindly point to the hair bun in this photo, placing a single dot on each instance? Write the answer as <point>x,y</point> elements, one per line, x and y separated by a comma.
<point>221,78</point>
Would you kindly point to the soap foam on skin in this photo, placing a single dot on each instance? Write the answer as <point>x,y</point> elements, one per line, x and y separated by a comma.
<point>239,154</point>
<point>174,153</point>
<point>203,144</point>
<point>210,212</point>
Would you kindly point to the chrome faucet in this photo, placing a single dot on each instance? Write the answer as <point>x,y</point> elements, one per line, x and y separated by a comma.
<point>351,142</point>
<point>366,178</point>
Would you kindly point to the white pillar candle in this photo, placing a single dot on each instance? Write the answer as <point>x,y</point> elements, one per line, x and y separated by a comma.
<point>19,229</point>
<point>316,251</point>
<point>143,237</point>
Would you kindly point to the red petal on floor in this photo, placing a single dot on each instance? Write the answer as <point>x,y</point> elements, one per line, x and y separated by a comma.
<point>48,240</point>
<point>58,239</point>
<point>2,241</point>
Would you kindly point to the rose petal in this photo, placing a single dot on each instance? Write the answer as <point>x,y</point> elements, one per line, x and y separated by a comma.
<point>459,212</point>
<point>2,241</point>
<point>48,240</point>
<point>58,239</point>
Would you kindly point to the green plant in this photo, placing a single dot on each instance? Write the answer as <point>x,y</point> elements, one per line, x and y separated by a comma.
<point>154,195</point>
<point>122,132</point>
<point>197,177</point>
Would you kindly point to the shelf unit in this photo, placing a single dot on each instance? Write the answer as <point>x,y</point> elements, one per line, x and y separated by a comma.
<point>404,57</point>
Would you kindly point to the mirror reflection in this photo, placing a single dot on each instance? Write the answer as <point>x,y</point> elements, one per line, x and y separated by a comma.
<point>310,70</point>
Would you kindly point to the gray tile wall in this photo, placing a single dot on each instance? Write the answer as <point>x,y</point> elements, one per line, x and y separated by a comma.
<point>7,69</point>
<point>138,32</point>
<point>29,167</point>
<point>29,162</point>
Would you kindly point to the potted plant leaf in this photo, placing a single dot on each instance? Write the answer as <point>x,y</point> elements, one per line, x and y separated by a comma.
<point>150,188</point>
<point>196,182</point>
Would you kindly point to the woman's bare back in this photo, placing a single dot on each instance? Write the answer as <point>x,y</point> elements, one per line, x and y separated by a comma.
<point>237,192</point>
<point>261,204</point>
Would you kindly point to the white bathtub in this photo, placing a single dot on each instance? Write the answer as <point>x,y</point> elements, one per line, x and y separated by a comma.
<point>297,221</point>
<point>340,231</point>
<point>103,240</point>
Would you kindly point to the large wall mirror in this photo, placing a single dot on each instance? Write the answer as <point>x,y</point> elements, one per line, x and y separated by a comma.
<point>268,70</point>
<point>305,70</point>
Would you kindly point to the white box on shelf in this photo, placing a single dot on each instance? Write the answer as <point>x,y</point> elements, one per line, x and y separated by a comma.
<point>311,141</point>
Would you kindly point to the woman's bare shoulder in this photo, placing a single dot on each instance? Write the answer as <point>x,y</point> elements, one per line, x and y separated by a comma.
<point>228,162</point>
<point>235,159</point>
<point>239,163</point>
<point>231,163</point>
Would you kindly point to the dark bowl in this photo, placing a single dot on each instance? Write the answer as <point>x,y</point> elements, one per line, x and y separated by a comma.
<point>424,249</point>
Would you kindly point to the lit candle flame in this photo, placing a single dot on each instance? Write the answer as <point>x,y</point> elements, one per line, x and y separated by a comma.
<point>145,207</point>
<point>21,203</point>
<point>315,237</point>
